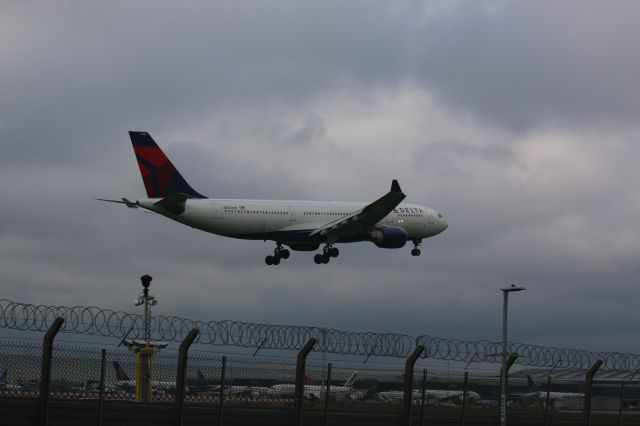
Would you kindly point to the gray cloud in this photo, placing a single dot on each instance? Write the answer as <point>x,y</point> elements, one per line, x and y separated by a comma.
<point>527,64</point>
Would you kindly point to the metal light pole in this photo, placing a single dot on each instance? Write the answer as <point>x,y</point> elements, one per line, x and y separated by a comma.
<point>145,348</point>
<point>503,370</point>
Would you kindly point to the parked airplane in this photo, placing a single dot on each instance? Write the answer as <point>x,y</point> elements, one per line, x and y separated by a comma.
<point>316,391</point>
<point>204,385</point>
<point>438,395</point>
<point>300,225</point>
<point>4,382</point>
<point>555,397</point>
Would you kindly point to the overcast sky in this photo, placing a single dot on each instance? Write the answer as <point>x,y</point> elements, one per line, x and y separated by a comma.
<point>517,120</point>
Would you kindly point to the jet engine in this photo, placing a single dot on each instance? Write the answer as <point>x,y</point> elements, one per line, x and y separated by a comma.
<point>389,237</point>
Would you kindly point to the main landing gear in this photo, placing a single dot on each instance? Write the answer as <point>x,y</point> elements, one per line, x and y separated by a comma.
<point>416,251</point>
<point>278,253</point>
<point>327,253</point>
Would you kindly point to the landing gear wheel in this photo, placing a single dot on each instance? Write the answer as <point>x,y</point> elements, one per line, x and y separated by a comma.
<point>318,259</point>
<point>416,250</point>
<point>333,252</point>
<point>279,253</point>
<point>325,259</point>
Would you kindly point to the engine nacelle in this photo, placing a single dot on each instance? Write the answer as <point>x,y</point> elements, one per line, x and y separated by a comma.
<point>389,237</point>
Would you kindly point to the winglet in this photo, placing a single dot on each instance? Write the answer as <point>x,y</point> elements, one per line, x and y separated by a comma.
<point>395,186</point>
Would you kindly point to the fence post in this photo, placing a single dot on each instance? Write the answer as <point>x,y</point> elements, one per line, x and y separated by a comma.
<point>327,391</point>
<point>588,390</point>
<point>405,417</point>
<point>45,369</point>
<point>181,373</point>
<point>546,402</point>
<point>464,396</point>
<point>423,395</point>
<point>103,365</point>
<point>301,364</point>
<point>621,403</point>
<point>223,373</point>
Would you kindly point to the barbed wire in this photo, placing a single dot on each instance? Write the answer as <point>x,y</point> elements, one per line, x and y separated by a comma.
<point>92,320</point>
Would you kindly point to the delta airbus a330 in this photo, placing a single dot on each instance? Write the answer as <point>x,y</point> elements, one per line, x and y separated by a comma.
<point>299,225</point>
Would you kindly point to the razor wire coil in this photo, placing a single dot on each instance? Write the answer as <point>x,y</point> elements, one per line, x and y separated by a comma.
<point>92,320</point>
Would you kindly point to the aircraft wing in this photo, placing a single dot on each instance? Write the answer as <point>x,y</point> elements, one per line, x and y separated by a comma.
<point>366,217</point>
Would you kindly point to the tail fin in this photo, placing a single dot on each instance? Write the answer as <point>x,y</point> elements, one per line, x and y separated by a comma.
<point>351,380</point>
<point>120,373</point>
<point>530,382</point>
<point>201,377</point>
<point>4,378</point>
<point>159,175</point>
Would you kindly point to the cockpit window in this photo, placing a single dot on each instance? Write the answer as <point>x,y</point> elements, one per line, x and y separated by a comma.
<point>440,215</point>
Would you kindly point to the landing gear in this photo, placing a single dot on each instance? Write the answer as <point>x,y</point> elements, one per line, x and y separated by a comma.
<point>278,254</point>
<point>321,258</point>
<point>416,251</point>
<point>272,260</point>
<point>327,253</point>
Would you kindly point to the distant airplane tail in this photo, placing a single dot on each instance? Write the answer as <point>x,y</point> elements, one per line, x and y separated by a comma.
<point>120,373</point>
<point>4,378</point>
<point>530,382</point>
<point>159,175</point>
<point>351,380</point>
<point>201,377</point>
<point>307,380</point>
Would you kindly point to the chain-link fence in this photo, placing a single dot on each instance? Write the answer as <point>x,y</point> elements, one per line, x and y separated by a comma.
<point>330,389</point>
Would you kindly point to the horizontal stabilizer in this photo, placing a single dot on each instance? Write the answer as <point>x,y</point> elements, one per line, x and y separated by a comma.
<point>174,203</point>
<point>124,201</point>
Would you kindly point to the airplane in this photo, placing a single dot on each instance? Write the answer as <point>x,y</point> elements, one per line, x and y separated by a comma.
<point>4,382</point>
<point>555,397</point>
<point>316,391</point>
<point>438,395</point>
<point>299,225</point>
<point>202,384</point>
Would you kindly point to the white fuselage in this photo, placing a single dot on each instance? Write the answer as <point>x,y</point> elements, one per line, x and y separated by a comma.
<point>291,221</point>
<point>310,391</point>
<point>431,394</point>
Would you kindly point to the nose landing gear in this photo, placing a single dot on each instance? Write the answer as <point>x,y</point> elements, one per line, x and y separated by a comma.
<point>327,253</point>
<point>278,253</point>
<point>416,251</point>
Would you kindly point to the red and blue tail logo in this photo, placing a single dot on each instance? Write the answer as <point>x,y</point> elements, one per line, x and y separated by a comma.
<point>160,177</point>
